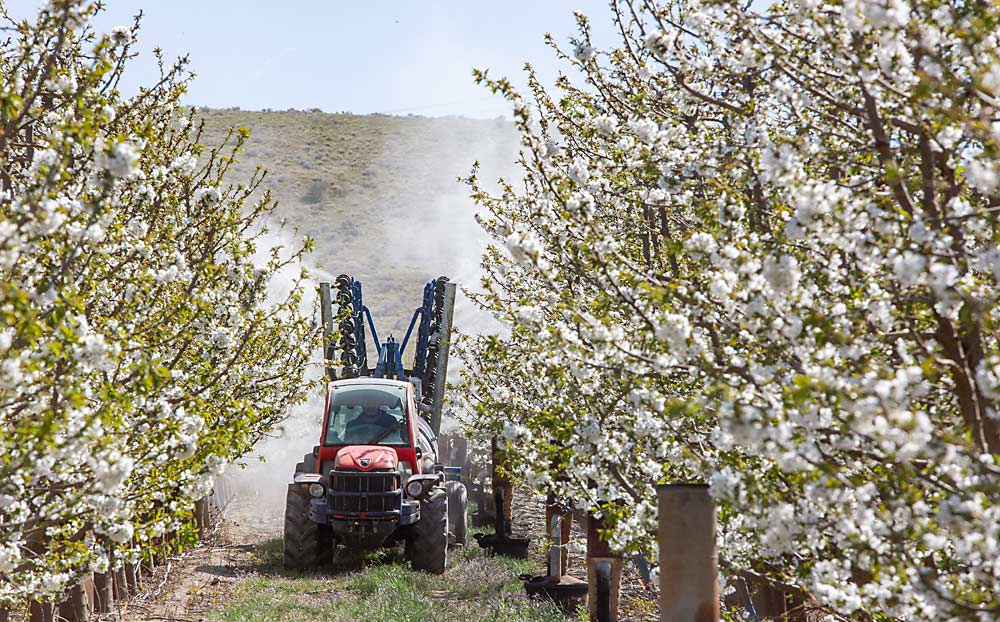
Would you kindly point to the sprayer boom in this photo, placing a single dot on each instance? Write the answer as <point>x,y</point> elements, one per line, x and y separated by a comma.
<point>345,317</point>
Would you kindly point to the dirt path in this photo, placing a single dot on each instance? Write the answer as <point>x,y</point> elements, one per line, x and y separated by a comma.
<point>237,577</point>
<point>195,584</point>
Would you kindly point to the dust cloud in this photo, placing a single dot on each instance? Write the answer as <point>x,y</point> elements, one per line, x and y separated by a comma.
<point>416,228</point>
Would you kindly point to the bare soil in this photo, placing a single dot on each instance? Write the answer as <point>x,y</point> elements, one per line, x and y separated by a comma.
<point>193,584</point>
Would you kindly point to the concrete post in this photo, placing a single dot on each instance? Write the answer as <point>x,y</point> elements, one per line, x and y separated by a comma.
<point>460,455</point>
<point>502,484</point>
<point>689,564</point>
<point>89,592</point>
<point>444,449</point>
<point>555,563</point>
<point>201,517</point>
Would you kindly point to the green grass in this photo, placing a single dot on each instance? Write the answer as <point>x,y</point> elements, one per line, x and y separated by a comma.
<point>476,588</point>
<point>381,587</point>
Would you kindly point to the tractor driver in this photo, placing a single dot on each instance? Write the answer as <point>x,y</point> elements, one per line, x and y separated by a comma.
<point>376,423</point>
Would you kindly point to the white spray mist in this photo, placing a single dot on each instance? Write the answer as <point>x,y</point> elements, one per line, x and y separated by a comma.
<point>398,244</point>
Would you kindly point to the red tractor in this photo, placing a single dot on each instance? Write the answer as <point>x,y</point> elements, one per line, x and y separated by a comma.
<point>375,479</point>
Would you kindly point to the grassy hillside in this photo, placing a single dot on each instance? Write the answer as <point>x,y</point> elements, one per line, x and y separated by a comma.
<point>378,193</point>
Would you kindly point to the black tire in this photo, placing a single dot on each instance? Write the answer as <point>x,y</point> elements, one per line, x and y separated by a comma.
<point>458,519</point>
<point>307,545</point>
<point>428,545</point>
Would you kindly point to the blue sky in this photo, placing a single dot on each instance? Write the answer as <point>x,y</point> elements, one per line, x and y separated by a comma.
<point>357,56</point>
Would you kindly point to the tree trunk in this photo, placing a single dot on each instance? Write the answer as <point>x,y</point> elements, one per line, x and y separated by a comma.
<point>119,586</point>
<point>502,483</point>
<point>41,612</point>
<point>133,578</point>
<point>964,348</point>
<point>103,592</point>
<point>75,608</point>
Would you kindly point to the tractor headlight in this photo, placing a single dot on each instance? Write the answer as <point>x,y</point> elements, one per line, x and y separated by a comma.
<point>414,488</point>
<point>316,490</point>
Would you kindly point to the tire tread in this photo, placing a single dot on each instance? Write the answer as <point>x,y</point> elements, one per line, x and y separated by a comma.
<point>306,544</point>
<point>428,545</point>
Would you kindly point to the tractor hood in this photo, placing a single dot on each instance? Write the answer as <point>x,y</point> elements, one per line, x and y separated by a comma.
<point>366,458</point>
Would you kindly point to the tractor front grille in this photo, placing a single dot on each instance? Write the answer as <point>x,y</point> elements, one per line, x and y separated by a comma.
<point>357,494</point>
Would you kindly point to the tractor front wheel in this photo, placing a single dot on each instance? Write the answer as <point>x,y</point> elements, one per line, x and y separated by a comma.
<point>308,545</point>
<point>428,543</point>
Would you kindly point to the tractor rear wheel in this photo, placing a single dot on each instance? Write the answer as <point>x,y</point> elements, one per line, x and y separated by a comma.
<point>458,520</point>
<point>428,544</point>
<point>307,544</point>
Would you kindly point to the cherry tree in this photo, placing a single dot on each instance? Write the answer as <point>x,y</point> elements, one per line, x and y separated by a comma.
<point>141,352</point>
<point>759,249</point>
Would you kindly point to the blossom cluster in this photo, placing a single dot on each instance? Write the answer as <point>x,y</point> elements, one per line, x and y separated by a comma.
<point>140,354</point>
<point>759,250</point>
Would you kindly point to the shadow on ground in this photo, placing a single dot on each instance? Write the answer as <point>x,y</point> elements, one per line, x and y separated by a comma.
<point>264,558</point>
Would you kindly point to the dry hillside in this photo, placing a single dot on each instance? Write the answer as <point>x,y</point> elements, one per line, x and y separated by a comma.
<point>378,193</point>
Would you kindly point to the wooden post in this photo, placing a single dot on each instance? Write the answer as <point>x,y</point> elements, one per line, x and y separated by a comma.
<point>689,586</point>
<point>604,572</point>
